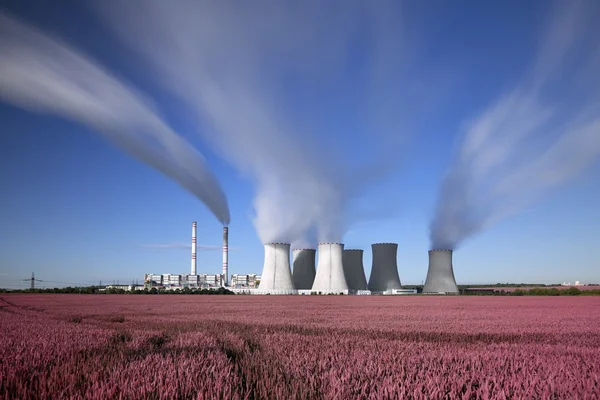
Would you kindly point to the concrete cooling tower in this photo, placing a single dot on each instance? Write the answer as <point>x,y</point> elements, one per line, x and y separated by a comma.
<point>354,270</point>
<point>276,275</point>
<point>384,270</point>
<point>330,269</point>
<point>440,275</point>
<point>303,273</point>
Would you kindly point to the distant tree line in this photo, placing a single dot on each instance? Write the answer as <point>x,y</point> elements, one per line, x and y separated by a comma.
<point>495,285</point>
<point>110,290</point>
<point>69,289</point>
<point>572,291</point>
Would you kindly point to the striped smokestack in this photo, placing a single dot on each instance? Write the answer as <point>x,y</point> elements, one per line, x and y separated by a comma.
<point>225,255</point>
<point>194,248</point>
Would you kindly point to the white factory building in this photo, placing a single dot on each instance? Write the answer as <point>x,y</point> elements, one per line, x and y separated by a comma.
<point>179,281</point>
<point>199,281</point>
<point>245,281</point>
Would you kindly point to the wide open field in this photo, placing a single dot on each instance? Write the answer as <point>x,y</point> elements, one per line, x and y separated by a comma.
<point>175,346</point>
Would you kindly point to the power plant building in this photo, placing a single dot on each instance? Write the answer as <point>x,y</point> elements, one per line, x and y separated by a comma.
<point>337,271</point>
<point>244,281</point>
<point>180,281</point>
<point>193,281</point>
<point>303,273</point>
<point>384,271</point>
<point>440,274</point>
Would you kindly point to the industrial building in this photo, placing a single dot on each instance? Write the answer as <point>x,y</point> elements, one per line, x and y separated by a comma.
<point>245,281</point>
<point>193,280</point>
<point>180,281</point>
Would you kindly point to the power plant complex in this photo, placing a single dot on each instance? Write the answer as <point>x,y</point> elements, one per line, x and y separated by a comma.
<point>337,271</point>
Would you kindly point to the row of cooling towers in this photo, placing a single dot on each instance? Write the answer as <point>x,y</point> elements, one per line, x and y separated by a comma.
<point>341,270</point>
<point>338,270</point>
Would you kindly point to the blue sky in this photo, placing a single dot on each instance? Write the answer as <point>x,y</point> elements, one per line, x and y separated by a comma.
<point>77,209</point>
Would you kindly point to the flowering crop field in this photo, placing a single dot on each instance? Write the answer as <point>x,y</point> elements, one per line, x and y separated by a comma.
<point>512,289</point>
<point>298,347</point>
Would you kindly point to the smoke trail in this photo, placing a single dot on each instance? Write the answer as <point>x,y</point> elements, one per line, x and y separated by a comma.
<point>233,62</point>
<point>42,74</point>
<point>531,140</point>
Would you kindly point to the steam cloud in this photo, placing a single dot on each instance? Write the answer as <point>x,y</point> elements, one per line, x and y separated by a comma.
<point>531,140</point>
<point>42,74</point>
<point>232,62</point>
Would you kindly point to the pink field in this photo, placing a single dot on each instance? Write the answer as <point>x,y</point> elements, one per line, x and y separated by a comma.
<point>509,289</point>
<point>237,347</point>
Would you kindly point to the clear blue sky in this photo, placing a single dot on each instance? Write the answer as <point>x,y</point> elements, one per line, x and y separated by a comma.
<point>76,209</point>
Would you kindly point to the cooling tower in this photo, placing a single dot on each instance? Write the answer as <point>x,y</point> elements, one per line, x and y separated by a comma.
<point>330,269</point>
<point>276,275</point>
<point>440,275</point>
<point>193,271</point>
<point>384,270</point>
<point>354,270</point>
<point>225,255</point>
<point>303,272</point>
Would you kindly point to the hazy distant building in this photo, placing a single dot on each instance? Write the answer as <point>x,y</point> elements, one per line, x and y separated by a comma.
<point>244,281</point>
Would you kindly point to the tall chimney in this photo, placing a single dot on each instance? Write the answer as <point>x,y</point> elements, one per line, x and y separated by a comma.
<point>194,265</point>
<point>225,255</point>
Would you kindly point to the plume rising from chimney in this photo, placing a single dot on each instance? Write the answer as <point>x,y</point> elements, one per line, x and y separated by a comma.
<point>42,74</point>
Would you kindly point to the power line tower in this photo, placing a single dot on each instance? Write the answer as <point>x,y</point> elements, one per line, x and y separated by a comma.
<point>32,280</point>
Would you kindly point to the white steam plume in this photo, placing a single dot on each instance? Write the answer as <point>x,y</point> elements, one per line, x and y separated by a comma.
<point>231,61</point>
<point>43,74</point>
<point>533,139</point>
